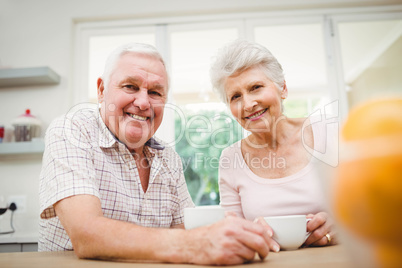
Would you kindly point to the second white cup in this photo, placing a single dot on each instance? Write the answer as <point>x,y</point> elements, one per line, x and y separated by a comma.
<point>202,215</point>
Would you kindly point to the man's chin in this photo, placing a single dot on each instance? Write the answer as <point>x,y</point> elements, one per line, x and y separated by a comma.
<point>135,138</point>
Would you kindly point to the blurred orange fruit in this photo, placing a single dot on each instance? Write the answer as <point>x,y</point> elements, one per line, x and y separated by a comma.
<point>368,186</point>
<point>374,119</point>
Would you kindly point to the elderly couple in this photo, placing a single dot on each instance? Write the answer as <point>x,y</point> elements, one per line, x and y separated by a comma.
<point>109,190</point>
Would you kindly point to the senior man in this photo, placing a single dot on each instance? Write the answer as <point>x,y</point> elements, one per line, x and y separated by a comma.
<point>109,190</point>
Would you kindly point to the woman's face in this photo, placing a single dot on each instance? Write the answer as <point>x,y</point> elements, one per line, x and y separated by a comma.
<point>254,100</point>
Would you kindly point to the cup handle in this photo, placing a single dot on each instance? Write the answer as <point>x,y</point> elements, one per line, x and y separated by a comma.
<point>307,233</point>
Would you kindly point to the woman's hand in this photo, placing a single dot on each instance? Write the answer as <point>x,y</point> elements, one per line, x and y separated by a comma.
<point>322,230</point>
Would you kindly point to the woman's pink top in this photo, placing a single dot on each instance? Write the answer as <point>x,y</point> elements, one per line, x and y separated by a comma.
<point>251,196</point>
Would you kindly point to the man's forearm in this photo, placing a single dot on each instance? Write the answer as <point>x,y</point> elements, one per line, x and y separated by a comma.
<point>111,239</point>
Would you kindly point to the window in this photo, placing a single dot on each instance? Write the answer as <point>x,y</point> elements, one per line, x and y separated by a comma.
<point>371,57</point>
<point>299,48</point>
<point>322,54</point>
<point>205,129</point>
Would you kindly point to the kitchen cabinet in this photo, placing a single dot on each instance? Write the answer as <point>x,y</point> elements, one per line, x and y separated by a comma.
<point>18,247</point>
<point>15,77</point>
<point>24,239</point>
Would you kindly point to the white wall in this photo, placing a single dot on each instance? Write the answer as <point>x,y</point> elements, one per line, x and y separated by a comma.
<point>41,32</point>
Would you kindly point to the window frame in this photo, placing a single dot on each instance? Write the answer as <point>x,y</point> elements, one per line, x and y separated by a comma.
<point>330,18</point>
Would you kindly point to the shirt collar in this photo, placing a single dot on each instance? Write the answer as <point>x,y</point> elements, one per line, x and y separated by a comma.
<point>107,139</point>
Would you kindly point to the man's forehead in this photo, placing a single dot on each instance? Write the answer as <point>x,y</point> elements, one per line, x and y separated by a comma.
<point>149,79</point>
<point>141,67</point>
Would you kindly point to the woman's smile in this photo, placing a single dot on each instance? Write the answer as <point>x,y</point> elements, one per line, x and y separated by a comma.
<point>257,115</point>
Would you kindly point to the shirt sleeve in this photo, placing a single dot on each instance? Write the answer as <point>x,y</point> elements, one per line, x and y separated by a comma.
<point>67,167</point>
<point>229,194</point>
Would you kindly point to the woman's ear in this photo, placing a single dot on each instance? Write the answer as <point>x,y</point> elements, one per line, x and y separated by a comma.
<point>101,90</point>
<point>284,93</point>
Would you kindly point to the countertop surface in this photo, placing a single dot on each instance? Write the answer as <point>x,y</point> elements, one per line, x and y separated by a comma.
<point>328,257</point>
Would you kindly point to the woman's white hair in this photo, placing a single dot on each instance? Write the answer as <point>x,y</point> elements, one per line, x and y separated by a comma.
<point>114,56</point>
<point>238,56</point>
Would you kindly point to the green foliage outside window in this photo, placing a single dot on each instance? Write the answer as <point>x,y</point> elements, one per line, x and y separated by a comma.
<point>204,134</point>
<point>300,107</point>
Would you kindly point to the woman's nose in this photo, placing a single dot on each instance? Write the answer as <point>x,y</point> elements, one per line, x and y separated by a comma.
<point>248,103</point>
<point>142,99</point>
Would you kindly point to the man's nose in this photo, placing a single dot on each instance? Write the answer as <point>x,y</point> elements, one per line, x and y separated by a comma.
<point>142,99</point>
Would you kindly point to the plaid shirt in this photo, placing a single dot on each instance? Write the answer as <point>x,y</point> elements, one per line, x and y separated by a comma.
<point>83,157</point>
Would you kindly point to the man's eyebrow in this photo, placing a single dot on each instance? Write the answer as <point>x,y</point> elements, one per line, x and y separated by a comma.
<point>136,79</point>
<point>158,87</point>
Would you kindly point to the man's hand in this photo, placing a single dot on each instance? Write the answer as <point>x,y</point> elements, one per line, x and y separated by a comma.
<point>274,246</point>
<point>230,241</point>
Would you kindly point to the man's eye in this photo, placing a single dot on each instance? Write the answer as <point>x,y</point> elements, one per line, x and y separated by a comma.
<point>130,86</point>
<point>156,93</point>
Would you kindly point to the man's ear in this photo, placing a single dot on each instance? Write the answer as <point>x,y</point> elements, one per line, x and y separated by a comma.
<point>101,89</point>
<point>284,93</point>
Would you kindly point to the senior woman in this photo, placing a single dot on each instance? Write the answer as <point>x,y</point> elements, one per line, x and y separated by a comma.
<point>270,172</point>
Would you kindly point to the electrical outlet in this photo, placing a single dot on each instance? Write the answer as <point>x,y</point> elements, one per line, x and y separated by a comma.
<point>20,201</point>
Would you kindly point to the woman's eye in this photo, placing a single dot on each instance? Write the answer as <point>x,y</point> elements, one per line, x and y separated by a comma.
<point>234,97</point>
<point>256,87</point>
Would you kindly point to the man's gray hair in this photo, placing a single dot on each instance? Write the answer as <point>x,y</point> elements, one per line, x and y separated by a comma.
<point>115,55</point>
<point>238,56</point>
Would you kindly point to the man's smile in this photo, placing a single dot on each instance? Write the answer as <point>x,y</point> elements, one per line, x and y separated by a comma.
<point>138,117</point>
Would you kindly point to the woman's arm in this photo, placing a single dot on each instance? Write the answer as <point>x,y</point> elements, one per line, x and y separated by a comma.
<point>229,195</point>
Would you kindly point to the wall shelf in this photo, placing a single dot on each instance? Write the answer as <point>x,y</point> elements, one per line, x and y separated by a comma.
<point>28,77</point>
<point>19,148</point>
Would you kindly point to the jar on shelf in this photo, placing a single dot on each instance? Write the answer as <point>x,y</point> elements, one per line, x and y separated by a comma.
<point>26,127</point>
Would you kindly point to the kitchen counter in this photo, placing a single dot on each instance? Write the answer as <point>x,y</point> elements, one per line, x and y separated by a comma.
<point>29,236</point>
<point>328,257</point>
<point>24,239</point>
<point>26,231</point>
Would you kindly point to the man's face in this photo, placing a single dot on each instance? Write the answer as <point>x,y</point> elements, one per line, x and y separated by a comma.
<point>133,103</point>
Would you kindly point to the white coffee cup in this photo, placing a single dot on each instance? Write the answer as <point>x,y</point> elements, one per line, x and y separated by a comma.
<point>202,215</point>
<point>289,231</point>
